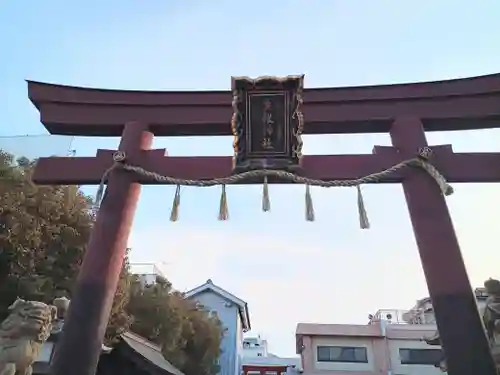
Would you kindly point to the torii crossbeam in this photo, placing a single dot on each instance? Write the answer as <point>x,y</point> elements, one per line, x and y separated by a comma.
<point>405,111</point>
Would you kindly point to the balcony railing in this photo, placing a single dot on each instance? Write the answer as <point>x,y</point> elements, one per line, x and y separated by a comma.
<point>389,316</point>
<point>146,269</point>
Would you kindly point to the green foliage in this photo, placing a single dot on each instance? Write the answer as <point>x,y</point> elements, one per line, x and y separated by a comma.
<point>189,336</point>
<point>43,234</point>
<point>203,335</point>
<point>120,320</point>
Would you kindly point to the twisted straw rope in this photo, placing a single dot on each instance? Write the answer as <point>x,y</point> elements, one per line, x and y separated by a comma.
<point>282,175</point>
<point>419,162</point>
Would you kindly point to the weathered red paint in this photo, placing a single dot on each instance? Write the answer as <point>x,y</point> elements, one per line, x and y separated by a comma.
<point>263,369</point>
<point>405,111</point>
<point>459,167</point>
<point>457,104</point>
<point>81,344</point>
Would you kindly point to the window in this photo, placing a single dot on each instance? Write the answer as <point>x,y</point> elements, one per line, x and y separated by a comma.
<point>420,356</point>
<point>342,354</point>
<point>259,354</point>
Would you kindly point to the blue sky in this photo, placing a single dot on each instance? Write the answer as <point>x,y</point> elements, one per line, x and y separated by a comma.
<point>288,270</point>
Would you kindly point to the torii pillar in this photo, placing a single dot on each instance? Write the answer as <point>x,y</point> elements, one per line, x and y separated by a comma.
<point>81,345</point>
<point>460,327</point>
<point>403,110</point>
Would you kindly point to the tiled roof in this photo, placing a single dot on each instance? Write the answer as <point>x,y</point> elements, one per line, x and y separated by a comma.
<point>150,352</point>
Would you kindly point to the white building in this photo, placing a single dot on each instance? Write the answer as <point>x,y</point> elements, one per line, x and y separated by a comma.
<point>255,352</point>
<point>147,273</point>
<point>254,347</point>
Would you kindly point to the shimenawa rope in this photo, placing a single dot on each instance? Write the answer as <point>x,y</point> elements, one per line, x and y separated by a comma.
<point>420,162</point>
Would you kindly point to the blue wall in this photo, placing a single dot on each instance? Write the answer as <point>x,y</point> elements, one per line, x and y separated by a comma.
<point>231,345</point>
<point>239,346</point>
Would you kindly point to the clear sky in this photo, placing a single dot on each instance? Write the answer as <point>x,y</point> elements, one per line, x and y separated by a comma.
<point>287,269</point>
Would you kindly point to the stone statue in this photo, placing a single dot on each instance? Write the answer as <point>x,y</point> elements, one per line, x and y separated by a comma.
<point>62,305</point>
<point>22,335</point>
<point>491,318</point>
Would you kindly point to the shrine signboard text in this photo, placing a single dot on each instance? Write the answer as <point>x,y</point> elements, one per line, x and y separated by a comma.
<point>267,122</point>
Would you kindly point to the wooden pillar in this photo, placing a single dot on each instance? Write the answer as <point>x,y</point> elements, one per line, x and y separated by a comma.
<point>83,332</point>
<point>460,327</point>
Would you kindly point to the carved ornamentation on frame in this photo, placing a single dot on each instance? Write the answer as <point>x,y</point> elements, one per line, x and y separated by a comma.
<point>267,122</point>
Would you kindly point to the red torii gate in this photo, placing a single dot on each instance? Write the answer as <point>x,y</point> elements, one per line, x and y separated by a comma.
<point>264,369</point>
<point>406,111</point>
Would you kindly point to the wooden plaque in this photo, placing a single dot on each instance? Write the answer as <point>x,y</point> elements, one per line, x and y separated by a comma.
<point>267,123</point>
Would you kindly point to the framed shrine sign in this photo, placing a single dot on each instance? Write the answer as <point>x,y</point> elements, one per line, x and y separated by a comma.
<point>267,123</point>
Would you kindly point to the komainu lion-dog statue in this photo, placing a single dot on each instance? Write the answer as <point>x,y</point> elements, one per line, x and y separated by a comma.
<point>491,319</point>
<point>22,335</point>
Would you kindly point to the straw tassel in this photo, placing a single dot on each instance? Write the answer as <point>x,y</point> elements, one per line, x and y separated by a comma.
<point>174,214</point>
<point>223,210</point>
<point>364,223</point>
<point>101,192</point>
<point>309,205</point>
<point>266,203</point>
<point>99,196</point>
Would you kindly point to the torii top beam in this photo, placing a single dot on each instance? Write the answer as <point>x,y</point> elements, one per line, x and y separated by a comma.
<point>470,103</point>
<point>460,104</point>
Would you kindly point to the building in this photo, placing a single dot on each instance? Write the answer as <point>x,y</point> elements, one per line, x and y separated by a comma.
<point>147,273</point>
<point>377,348</point>
<point>422,312</point>
<point>134,355</point>
<point>258,360</point>
<point>254,347</point>
<point>130,355</point>
<point>240,356</point>
<point>234,315</point>
<point>390,344</point>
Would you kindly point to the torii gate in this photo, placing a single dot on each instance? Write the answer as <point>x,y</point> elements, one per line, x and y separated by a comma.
<point>406,111</point>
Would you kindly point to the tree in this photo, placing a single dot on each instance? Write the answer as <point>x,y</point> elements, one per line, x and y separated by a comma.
<point>43,234</point>
<point>44,231</point>
<point>189,336</point>
<point>203,335</point>
<point>120,320</point>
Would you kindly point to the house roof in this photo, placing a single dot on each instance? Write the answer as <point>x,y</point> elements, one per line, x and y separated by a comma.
<point>145,349</point>
<point>242,305</point>
<point>149,351</point>
<point>271,360</point>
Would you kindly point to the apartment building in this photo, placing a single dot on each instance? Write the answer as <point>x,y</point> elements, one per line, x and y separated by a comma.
<point>391,343</point>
